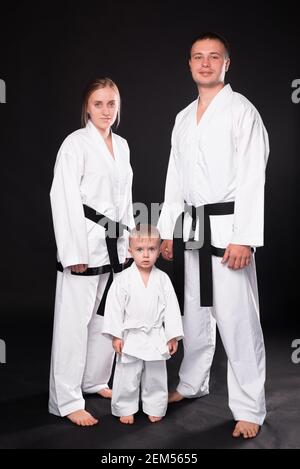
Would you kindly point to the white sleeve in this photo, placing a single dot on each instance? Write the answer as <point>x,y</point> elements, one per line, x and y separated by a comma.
<point>128,218</point>
<point>128,221</point>
<point>114,311</point>
<point>67,210</point>
<point>174,202</point>
<point>172,316</point>
<point>253,151</point>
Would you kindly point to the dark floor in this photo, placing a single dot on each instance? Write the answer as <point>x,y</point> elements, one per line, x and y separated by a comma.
<point>199,423</point>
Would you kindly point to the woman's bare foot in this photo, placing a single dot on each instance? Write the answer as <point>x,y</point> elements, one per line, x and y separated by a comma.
<point>154,419</point>
<point>105,392</point>
<point>246,429</point>
<point>128,419</point>
<point>175,396</point>
<point>82,417</point>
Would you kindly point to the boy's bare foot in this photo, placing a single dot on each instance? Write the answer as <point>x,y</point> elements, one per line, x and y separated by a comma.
<point>246,429</point>
<point>82,417</point>
<point>128,419</point>
<point>154,419</point>
<point>105,392</point>
<point>175,396</point>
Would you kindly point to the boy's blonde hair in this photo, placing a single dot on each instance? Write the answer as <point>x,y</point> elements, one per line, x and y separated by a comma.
<point>144,231</point>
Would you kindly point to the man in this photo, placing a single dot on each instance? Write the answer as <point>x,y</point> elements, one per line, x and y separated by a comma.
<point>217,163</point>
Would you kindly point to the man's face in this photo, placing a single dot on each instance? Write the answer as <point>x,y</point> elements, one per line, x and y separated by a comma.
<point>144,251</point>
<point>208,62</point>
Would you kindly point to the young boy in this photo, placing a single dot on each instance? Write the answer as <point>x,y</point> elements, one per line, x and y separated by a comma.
<point>143,318</point>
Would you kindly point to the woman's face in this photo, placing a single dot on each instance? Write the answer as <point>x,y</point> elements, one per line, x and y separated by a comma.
<point>103,105</point>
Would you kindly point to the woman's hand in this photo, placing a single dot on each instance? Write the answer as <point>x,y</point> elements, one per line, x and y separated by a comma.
<point>79,268</point>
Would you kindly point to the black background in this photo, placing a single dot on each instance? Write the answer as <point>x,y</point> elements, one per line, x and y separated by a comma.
<point>48,54</point>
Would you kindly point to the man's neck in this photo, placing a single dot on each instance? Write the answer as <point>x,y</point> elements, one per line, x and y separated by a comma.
<point>206,94</point>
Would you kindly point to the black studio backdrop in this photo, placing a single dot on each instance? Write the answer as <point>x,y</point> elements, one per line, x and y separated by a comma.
<point>49,53</point>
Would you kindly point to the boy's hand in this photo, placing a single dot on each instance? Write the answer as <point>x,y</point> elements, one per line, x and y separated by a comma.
<point>117,345</point>
<point>173,345</point>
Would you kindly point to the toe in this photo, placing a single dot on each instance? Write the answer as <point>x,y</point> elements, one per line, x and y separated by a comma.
<point>236,433</point>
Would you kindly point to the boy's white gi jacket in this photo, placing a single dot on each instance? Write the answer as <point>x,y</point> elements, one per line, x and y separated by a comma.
<point>145,318</point>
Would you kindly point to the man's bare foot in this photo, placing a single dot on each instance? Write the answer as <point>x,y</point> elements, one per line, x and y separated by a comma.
<point>128,419</point>
<point>246,429</point>
<point>105,392</point>
<point>82,417</point>
<point>154,419</point>
<point>175,396</point>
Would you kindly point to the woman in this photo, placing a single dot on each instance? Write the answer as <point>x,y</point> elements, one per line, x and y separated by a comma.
<point>90,194</point>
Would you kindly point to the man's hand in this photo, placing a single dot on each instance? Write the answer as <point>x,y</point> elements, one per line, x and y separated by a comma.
<point>79,268</point>
<point>237,256</point>
<point>117,345</point>
<point>166,249</point>
<point>173,345</point>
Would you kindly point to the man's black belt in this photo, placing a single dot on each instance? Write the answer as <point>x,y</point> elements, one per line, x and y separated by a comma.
<point>205,252</point>
<point>113,231</point>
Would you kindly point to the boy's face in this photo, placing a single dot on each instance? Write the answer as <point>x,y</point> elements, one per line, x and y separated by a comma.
<point>144,251</point>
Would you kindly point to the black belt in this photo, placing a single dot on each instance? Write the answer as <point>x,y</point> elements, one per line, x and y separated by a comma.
<point>111,242</point>
<point>205,252</point>
<point>90,271</point>
<point>116,229</point>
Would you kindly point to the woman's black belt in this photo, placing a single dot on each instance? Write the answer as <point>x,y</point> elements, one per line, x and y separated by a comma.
<point>113,231</point>
<point>206,250</point>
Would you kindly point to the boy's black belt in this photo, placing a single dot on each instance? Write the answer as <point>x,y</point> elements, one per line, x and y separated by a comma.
<point>205,252</point>
<point>116,230</point>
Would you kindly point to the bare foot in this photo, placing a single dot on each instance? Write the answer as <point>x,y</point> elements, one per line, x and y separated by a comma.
<point>154,419</point>
<point>105,392</point>
<point>128,419</point>
<point>175,396</point>
<point>82,417</point>
<point>246,429</point>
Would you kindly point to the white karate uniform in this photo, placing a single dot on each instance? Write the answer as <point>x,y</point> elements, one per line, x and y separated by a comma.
<point>221,159</point>
<point>145,318</point>
<point>85,173</point>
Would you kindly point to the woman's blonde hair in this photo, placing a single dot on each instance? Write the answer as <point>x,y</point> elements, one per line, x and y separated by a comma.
<point>93,86</point>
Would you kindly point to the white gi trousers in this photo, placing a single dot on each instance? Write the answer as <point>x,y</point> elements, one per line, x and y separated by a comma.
<point>236,312</point>
<point>82,357</point>
<point>128,377</point>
